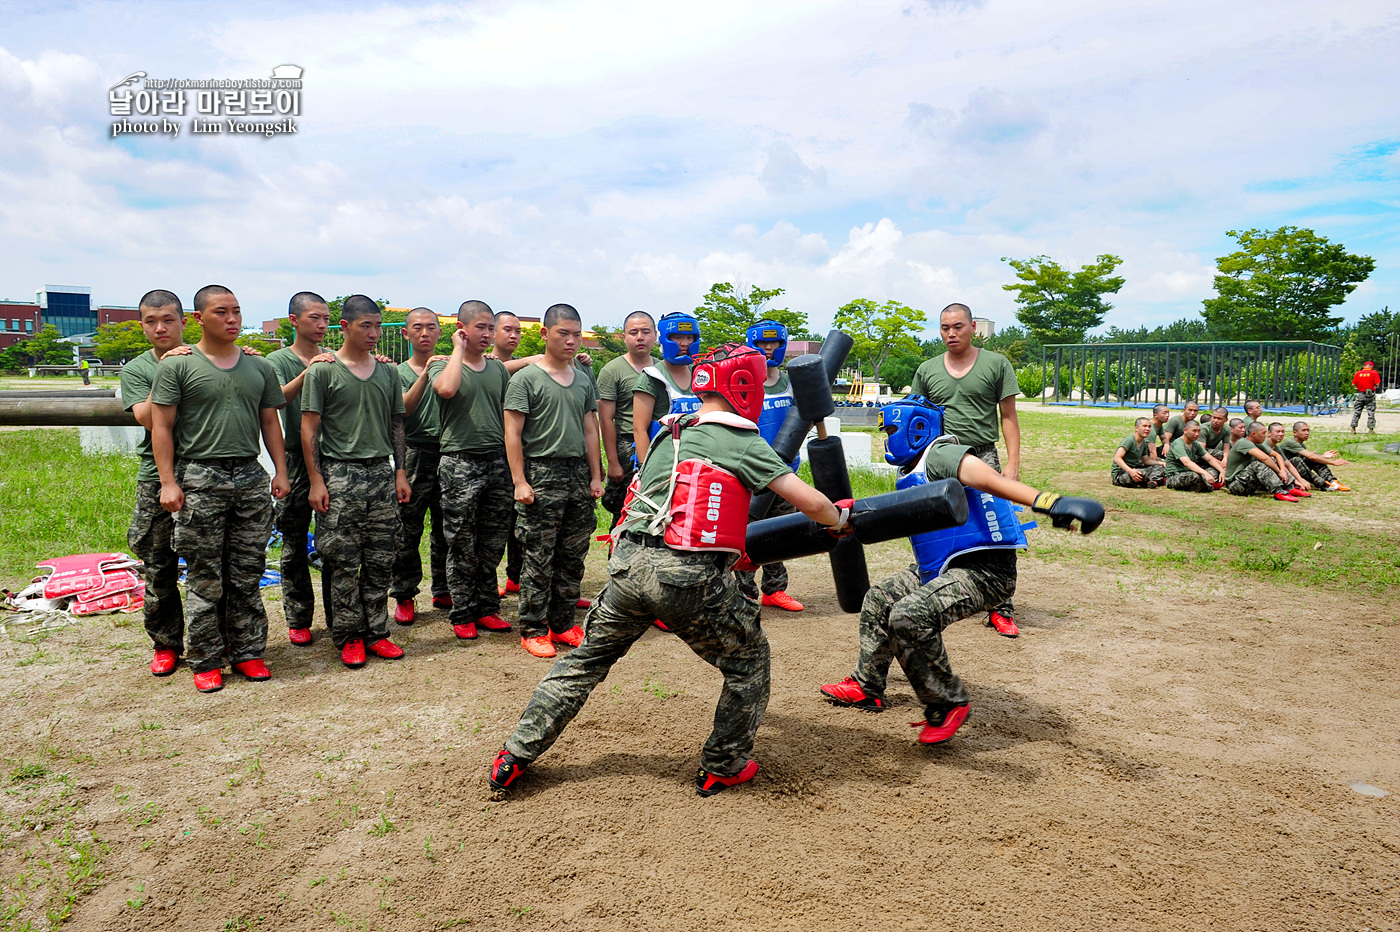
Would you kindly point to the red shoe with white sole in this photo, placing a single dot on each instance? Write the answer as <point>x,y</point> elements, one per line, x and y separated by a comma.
<point>493,623</point>
<point>254,669</point>
<point>936,732</point>
<point>573,637</point>
<point>404,613</point>
<point>163,662</point>
<point>210,681</point>
<point>466,632</point>
<point>299,636</point>
<point>386,648</point>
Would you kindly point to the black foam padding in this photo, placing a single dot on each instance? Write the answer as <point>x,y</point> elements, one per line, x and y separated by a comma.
<point>811,388</point>
<point>827,457</point>
<point>850,574</point>
<point>835,348</point>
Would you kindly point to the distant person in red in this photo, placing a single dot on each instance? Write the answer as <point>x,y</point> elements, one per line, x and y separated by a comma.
<point>1366,381</point>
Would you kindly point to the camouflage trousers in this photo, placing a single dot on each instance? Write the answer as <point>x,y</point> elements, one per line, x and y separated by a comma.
<point>694,594</point>
<point>1188,481</point>
<point>904,619</point>
<point>477,505</point>
<point>150,539</point>
<point>1254,477</point>
<point>987,453</point>
<point>615,491</point>
<point>1316,473</point>
<point>222,533</point>
<point>1124,479</point>
<point>356,538</point>
<point>292,517</point>
<point>407,571</point>
<point>554,533</point>
<point>775,575</point>
<point>1364,401</point>
<point>514,556</point>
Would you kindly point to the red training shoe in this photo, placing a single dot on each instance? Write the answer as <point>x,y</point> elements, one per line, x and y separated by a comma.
<point>782,600</point>
<point>1299,493</point>
<point>443,602</point>
<point>540,646</point>
<point>299,636</point>
<point>254,669</point>
<point>573,637</point>
<point>662,625</point>
<point>353,653</point>
<point>387,649</point>
<point>951,721</point>
<point>404,613</point>
<point>1005,624</point>
<point>504,770</point>
<point>210,681</point>
<point>163,662</point>
<point>511,586</point>
<point>584,603</point>
<point>1284,497</point>
<point>849,692</point>
<point>466,632</point>
<point>708,784</point>
<point>493,623</point>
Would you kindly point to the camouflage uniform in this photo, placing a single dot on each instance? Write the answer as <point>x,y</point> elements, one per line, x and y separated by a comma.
<point>1364,401</point>
<point>554,534</point>
<point>515,557</point>
<point>694,594</point>
<point>987,453</point>
<point>292,517</point>
<point>222,533</point>
<point>152,529</point>
<point>616,489</point>
<point>356,538</point>
<point>775,575</point>
<point>407,572</point>
<point>904,619</point>
<point>1254,477</point>
<point>1316,473</point>
<point>1188,481</point>
<point>1123,478</point>
<point>477,506</point>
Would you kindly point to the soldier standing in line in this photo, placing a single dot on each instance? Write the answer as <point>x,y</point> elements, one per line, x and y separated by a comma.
<point>615,393</point>
<point>352,419</point>
<point>152,528</point>
<point>477,495</point>
<point>957,572</point>
<point>672,560</point>
<point>551,424</point>
<point>310,317</point>
<point>770,338</point>
<point>422,426</point>
<point>208,408</point>
<point>978,390</point>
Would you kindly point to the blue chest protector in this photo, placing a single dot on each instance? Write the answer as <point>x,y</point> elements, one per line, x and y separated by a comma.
<point>991,524</point>
<point>770,419</point>
<point>681,402</point>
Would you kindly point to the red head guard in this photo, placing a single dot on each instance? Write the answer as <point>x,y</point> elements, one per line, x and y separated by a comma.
<point>735,372</point>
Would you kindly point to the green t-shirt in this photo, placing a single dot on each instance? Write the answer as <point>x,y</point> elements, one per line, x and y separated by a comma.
<point>137,378</point>
<point>1288,446</point>
<point>1133,451</point>
<point>472,421</point>
<point>741,451</point>
<point>1239,456</point>
<point>355,412</point>
<point>219,409</point>
<point>1176,426</point>
<point>423,427</point>
<point>616,383</point>
<point>971,402</point>
<point>288,365</point>
<point>553,413</point>
<point>661,390</point>
<point>1179,452</point>
<point>1154,437</point>
<point>1210,439</point>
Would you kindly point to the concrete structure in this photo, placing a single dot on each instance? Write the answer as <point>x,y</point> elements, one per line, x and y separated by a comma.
<point>984,327</point>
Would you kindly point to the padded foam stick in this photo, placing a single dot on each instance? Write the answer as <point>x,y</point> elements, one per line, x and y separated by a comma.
<point>930,507</point>
<point>827,457</point>
<point>811,388</point>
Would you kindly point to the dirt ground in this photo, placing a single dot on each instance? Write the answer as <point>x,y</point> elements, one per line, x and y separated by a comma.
<point>1131,762</point>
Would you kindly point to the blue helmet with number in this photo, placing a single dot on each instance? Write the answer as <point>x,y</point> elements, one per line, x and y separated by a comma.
<point>769,330</point>
<point>678,322</point>
<point>910,426</point>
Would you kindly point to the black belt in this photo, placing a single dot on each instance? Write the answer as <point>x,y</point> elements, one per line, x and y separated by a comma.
<point>468,455</point>
<point>643,540</point>
<point>561,460</point>
<point>372,461</point>
<point>426,447</point>
<point>225,462</point>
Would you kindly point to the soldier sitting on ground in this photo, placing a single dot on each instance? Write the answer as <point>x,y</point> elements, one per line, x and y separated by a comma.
<point>1189,466</point>
<point>1135,463</point>
<point>1316,468</point>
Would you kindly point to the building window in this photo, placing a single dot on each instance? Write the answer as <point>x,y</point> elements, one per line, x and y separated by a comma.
<point>29,325</point>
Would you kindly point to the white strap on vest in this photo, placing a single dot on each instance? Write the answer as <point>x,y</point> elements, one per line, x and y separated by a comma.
<point>662,516</point>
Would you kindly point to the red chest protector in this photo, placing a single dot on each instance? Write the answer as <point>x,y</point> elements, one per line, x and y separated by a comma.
<point>708,507</point>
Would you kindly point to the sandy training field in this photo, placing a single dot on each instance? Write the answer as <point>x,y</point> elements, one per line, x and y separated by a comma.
<point>1172,743</point>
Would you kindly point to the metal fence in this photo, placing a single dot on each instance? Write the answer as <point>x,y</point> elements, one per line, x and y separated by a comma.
<point>392,342</point>
<point>1287,375</point>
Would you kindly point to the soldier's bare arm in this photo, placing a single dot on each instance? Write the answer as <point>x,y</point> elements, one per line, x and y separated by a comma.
<point>318,498</point>
<point>172,497</point>
<point>397,435</point>
<point>515,456</point>
<point>643,406</point>
<point>272,439</point>
<point>590,444</point>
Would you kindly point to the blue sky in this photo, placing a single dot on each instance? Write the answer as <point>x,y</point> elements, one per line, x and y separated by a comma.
<point>627,155</point>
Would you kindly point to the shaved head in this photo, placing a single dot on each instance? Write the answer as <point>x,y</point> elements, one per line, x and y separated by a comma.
<point>955,308</point>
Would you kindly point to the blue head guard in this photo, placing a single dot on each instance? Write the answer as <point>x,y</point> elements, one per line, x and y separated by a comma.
<point>768,330</point>
<point>910,426</point>
<point>671,324</point>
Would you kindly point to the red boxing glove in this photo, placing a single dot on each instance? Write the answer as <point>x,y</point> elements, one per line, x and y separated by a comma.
<point>842,527</point>
<point>744,564</point>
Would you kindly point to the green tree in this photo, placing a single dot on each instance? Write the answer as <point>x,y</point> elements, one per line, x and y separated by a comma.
<point>119,342</point>
<point>1060,306</point>
<point>728,310</point>
<point>880,331</point>
<point>1374,333</point>
<point>899,372</point>
<point>1282,285</point>
<point>49,348</point>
